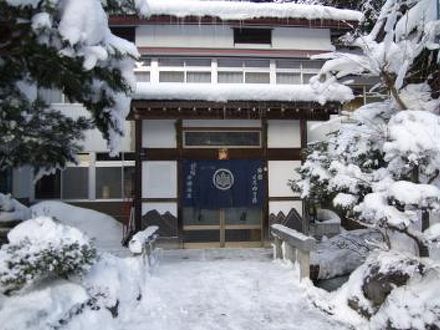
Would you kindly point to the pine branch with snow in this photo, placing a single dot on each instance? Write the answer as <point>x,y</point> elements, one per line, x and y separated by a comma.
<point>40,249</point>
<point>382,167</point>
<point>63,45</point>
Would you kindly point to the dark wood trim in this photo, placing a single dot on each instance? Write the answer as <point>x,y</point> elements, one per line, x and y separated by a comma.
<point>303,132</point>
<point>133,20</point>
<point>283,199</point>
<point>138,175</point>
<point>212,153</point>
<point>187,109</point>
<point>160,200</point>
<point>160,154</point>
<point>284,154</point>
<point>265,220</point>
<point>221,129</point>
<point>179,144</point>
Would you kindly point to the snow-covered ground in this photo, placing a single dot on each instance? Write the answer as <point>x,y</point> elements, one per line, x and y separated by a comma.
<point>102,228</point>
<point>224,289</point>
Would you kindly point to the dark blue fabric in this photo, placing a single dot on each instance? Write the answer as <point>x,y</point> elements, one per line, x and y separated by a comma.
<point>214,184</point>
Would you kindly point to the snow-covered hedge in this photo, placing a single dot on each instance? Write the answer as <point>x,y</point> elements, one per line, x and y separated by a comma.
<point>43,248</point>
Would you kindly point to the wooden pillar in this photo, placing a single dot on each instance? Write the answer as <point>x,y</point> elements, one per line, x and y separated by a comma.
<point>179,145</point>
<point>303,135</point>
<point>138,175</point>
<point>265,235</point>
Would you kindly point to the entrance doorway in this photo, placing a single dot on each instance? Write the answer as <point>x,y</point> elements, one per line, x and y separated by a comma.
<point>223,203</point>
<point>228,227</point>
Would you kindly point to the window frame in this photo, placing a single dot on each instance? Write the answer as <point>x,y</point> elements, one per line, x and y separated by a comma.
<point>252,36</point>
<point>223,130</point>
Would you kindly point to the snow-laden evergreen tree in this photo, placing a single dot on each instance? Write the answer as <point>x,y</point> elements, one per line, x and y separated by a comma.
<point>63,45</point>
<point>383,167</point>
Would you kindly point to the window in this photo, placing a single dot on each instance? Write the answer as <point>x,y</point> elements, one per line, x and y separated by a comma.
<point>49,186</point>
<point>142,76</point>
<point>288,78</point>
<point>256,64</point>
<point>171,76</point>
<point>230,77</point>
<point>222,139</point>
<point>75,183</point>
<point>198,77</point>
<point>124,32</point>
<point>230,63</point>
<point>252,36</point>
<point>296,71</point>
<point>198,62</point>
<point>171,62</point>
<point>113,179</point>
<point>257,78</point>
<point>108,182</point>
<point>288,64</point>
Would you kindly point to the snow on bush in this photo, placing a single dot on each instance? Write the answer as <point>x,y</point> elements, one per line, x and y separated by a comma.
<point>42,248</point>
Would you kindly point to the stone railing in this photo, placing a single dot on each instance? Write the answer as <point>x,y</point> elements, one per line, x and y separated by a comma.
<point>294,246</point>
<point>143,243</point>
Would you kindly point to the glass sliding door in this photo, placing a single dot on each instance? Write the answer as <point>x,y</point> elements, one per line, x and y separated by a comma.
<point>223,203</point>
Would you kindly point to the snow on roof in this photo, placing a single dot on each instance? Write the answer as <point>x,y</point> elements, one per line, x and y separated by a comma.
<point>240,92</point>
<point>227,10</point>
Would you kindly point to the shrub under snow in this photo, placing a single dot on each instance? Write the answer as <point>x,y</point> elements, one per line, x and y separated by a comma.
<point>42,248</point>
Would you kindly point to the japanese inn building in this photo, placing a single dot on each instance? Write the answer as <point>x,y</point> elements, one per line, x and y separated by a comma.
<point>222,112</point>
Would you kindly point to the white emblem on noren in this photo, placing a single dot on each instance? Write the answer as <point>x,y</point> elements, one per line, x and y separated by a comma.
<point>223,179</point>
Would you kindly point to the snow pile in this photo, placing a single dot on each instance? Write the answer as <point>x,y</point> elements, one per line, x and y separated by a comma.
<point>41,248</point>
<point>414,306</point>
<point>342,254</point>
<point>11,209</point>
<point>240,92</point>
<point>103,229</point>
<point>228,10</point>
<point>42,308</point>
<point>138,241</point>
<point>58,265</point>
<point>112,287</point>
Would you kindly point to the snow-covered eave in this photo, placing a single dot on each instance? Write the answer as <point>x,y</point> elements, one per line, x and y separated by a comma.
<point>240,92</point>
<point>208,12</point>
<point>227,10</point>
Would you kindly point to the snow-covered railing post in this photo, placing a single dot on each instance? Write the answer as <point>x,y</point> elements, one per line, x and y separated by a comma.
<point>143,243</point>
<point>294,246</point>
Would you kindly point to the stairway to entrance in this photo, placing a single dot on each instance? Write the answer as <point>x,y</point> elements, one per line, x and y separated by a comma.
<point>222,289</point>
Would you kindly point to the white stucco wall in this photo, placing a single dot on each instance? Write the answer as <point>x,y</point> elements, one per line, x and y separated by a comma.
<point>159,134</point>
<point>280,172</point>
<point>283,134</point>
<point>222,36</point>
<point>159,179</point>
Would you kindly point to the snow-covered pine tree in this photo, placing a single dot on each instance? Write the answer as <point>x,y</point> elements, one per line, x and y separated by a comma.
<point>63,45</point>
<point>383,167</point>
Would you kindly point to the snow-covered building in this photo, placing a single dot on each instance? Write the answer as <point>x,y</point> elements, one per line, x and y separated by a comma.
<point>218,122</point>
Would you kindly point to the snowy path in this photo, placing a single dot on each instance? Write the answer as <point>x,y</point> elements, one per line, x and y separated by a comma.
<point>223,289</point>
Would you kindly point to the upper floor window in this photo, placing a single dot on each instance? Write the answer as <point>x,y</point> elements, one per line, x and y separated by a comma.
<point>252,36</point>
<point>124,32</point>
